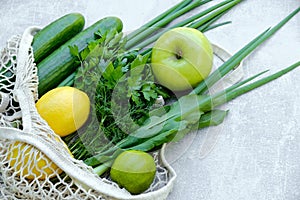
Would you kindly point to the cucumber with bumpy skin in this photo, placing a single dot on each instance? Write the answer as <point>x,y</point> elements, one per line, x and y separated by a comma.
<point>60,64</point>
<point>56,34</point>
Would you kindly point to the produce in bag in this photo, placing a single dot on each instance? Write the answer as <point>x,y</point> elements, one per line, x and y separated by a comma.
<point>77,180</point>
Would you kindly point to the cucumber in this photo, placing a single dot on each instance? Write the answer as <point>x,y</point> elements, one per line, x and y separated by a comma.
<point>60,64</point>
<point>69,81</point>
<point>55,34</point>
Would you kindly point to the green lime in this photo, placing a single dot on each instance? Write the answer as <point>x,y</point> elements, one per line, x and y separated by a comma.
<point>133,170</point>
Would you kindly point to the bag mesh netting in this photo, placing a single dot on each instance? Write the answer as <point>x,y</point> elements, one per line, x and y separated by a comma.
<point>34,162</point>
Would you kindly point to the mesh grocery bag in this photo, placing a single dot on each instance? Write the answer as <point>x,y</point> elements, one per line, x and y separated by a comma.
<point>28,146</point>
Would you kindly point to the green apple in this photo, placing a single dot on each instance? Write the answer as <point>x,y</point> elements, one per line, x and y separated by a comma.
<point>181,58</point>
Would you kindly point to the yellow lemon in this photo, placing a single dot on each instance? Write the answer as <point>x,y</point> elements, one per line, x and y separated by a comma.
<point>30,162</point>
<point>133,170</point>
<point>65,109</point>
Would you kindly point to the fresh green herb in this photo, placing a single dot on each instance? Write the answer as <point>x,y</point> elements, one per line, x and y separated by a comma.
<point>123,81</point>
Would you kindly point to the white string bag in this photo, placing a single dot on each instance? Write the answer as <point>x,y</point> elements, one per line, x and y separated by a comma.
<point>66,177</point>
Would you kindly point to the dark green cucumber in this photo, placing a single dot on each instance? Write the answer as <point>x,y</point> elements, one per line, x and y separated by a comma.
<point>69,81</point>
<point>60,64</point>
<point>55,34</point>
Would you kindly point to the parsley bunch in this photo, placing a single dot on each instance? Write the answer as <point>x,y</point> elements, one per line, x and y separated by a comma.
<point>121,88</point>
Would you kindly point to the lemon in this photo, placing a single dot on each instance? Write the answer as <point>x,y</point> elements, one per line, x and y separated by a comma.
<point>31,163</point>
<point>65,109</point>
<point>134,170</point>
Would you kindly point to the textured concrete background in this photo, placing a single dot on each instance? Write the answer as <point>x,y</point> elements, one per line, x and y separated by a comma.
<point>254,154</point>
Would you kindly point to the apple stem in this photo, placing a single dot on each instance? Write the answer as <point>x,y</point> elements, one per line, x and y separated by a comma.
<point>178,54</point>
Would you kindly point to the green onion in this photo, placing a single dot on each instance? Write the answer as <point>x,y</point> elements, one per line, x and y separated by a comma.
<point>204,19</point>
<point>163,22</point>
<point>217,13</point>
<point>244,89</point>
<point>183,116</point>
<point>175,8</point>
<point>240,55</point>
<point>208,28</point>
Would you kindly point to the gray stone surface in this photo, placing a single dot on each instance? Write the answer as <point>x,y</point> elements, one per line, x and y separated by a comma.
<point>254,154</point>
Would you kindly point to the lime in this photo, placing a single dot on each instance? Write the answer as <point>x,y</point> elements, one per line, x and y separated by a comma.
<point>134,170</point>
<point>65,109</point>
